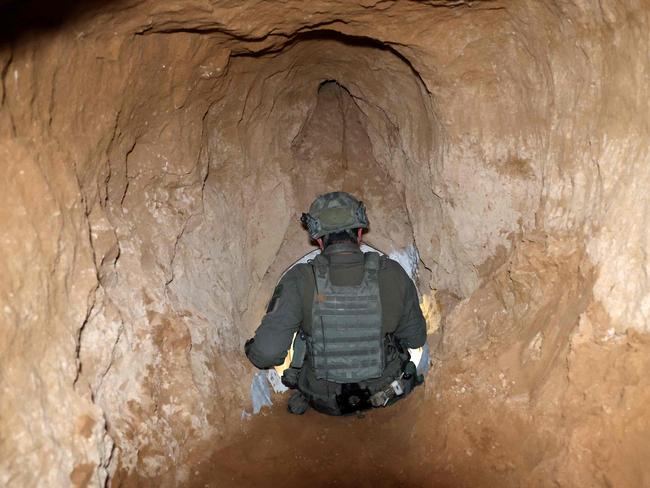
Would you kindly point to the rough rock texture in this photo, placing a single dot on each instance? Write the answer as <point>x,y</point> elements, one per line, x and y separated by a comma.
<point>158,155</point>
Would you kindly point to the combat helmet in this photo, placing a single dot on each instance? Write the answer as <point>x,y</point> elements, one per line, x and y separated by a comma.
<point>334,212</point>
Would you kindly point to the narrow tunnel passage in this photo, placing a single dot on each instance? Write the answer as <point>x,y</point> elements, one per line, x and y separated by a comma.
<point>158,157</point>
<point>334,151</point>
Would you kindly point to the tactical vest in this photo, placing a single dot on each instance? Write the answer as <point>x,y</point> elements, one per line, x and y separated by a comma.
<point>346,343</point>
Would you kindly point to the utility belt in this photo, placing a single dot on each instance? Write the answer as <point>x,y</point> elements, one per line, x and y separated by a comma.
<point>353,397</point>
<point>403,385</point>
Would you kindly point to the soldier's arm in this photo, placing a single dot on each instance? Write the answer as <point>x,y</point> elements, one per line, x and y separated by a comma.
<point>283,318</point>
<point>412,328</point>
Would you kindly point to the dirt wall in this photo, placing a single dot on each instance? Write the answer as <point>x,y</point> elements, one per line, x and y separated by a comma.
<point>158,156</point>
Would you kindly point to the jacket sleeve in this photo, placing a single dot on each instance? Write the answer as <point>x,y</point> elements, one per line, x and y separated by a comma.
<point>412,328</point>
<point>283,318</point>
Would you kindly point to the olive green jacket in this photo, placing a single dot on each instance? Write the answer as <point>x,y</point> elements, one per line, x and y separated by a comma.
<point>290,309</point>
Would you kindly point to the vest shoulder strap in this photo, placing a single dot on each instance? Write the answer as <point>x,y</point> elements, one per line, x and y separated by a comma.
<point>320,265</point>
<point>372,260</point>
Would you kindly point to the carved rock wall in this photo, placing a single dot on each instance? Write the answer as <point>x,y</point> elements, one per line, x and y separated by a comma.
<point>158,155</point>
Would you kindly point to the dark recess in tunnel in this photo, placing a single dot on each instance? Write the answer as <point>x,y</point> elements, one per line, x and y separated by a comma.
<point>21,18</point>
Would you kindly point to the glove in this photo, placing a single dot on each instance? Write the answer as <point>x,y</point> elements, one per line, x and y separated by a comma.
<point>248,345</point>
<point>290,377</point>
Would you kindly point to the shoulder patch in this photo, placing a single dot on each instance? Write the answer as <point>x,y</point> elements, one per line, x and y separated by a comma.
<point>273,304</point>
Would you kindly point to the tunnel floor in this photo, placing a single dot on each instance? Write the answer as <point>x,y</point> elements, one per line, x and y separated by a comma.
<point>380,448</point>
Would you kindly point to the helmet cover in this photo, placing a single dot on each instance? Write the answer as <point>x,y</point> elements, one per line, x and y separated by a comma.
<point>334,212</point>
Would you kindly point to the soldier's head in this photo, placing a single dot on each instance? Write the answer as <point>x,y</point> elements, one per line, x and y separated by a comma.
<point>336,217</point>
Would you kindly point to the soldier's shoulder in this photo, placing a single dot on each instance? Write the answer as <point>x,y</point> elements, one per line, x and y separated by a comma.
<point>297,272</point>
<point>390,263</point>
<point>393,268</point>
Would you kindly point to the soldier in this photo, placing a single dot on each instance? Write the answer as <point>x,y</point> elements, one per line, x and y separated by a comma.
<point>354,315</point>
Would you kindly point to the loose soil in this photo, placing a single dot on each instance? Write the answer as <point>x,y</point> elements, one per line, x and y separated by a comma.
<point>380,448</point>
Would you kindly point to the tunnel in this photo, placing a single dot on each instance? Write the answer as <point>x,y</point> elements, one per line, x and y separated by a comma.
<point>157,157</point>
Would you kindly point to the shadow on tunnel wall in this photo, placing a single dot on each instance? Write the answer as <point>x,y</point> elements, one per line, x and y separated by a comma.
<point>20,18</point>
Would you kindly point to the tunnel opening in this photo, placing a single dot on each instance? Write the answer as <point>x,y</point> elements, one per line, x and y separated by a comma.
<point>162,154</point>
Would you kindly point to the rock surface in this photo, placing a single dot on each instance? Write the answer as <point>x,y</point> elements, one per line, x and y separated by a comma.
<point>157,157</point>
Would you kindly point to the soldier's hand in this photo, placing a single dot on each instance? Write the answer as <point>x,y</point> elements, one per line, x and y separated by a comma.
<point>290,378</point>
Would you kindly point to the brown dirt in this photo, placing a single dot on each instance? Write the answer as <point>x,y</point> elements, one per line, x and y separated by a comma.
<point>158,154</point>
<point>467,436</point>
<point>560,400</point>
<point>383,448</point>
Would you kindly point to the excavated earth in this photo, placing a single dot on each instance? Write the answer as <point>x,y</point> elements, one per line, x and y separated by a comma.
<point>157,156</point>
